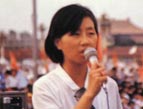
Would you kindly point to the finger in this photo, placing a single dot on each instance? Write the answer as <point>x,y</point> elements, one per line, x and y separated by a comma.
<point>104,73</point>
<point>97,75</point>
<point>97,71</point>
<point>94,65</point>
<point>100,70</point>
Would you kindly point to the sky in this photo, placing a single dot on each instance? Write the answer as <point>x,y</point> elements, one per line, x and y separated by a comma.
<point>17,14</point>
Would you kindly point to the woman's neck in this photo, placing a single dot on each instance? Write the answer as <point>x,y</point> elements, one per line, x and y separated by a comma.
<point>77,72</point>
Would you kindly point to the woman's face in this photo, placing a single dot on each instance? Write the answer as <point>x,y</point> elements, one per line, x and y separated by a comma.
<point>73,45</point>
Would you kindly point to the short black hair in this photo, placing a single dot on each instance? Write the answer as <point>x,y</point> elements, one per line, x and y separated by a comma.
<point>8,72</point>
<point>67,19</point>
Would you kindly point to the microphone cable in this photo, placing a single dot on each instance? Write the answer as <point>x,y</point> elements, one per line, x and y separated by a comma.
<point>107,97</point>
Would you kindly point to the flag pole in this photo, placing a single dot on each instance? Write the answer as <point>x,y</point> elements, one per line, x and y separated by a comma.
<point>35,41</point>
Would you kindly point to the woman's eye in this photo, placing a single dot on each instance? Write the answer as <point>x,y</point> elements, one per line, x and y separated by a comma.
<point>91,33</point>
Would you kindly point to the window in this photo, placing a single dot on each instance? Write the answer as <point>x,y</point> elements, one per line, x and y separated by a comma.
<point>123,40</point>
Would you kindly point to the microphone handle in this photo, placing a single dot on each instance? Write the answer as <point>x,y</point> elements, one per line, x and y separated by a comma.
<point>93,59</point>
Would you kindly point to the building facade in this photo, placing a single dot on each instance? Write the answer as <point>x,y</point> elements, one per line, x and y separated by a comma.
<point>121,38</point>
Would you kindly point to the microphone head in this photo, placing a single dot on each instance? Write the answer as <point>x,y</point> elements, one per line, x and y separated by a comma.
<point>89,52</point>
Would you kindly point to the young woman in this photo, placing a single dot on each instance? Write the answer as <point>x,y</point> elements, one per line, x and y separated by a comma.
<point>74,85</point>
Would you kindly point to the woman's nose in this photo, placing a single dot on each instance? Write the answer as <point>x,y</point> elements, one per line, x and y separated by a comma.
<point>84,40</point>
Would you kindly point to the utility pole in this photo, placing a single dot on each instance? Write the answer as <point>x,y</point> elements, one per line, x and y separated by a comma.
<point>35,41</point>
<point>2,50</point>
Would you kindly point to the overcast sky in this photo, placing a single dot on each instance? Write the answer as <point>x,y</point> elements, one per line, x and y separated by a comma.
<point>16,14</point>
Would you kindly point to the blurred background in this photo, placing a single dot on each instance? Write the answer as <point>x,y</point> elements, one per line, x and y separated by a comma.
<point>23,29</point>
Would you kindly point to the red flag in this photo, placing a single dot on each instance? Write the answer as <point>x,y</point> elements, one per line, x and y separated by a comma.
<point>115,59</point>
<point>13,61</point>
<point>99,48</point>
<point>43,54</point>
<point>140,72</point>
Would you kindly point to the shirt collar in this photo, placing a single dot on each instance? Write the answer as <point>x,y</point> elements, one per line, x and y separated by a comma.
<point>67,79</point>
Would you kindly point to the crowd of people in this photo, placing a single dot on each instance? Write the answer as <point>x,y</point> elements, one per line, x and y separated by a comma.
<point>126,75</point>
<point>20,80</point>
<point>15,80</point>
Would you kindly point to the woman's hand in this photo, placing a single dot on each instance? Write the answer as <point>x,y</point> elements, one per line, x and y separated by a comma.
<point>96,79</point>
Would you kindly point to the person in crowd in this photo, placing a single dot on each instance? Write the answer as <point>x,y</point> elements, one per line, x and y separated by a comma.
<point>2,81</point>
<point>75,83</point>
<point>22,80</point>
<point>11,82</point>
<point>113,74</point>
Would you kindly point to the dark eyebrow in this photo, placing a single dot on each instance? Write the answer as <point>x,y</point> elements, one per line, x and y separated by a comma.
<point>90,28</point>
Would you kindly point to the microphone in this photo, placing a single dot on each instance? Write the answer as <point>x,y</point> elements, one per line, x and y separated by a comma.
<point>91,54</point>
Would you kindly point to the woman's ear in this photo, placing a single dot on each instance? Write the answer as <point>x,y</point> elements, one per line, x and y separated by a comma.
<point>58,44</point>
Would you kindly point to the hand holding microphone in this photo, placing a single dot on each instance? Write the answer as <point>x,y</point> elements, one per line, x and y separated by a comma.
<point>96,77</point>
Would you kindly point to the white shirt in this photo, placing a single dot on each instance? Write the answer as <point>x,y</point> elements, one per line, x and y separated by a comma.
<point>56,90</point>
<point>11,82</point>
